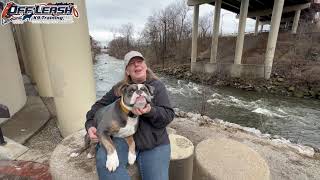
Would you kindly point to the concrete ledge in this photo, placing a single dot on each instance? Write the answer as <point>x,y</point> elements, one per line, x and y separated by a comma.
<point>64,167</point>
<point>228,159</point>
<point>26,122</point>
<point>232,70</point>
<point>12,150</point>
<point>181,164</point>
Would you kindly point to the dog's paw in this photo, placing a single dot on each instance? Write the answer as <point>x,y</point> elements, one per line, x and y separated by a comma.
<point>74,154</point>
<point>89,155</point>
<point>131,158</point>
<point>112,162</point>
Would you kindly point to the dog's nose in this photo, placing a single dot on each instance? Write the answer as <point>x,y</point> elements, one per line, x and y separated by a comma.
<point>139,92</point>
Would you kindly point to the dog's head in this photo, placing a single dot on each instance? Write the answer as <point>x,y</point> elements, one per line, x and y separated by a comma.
<point>137,95</point>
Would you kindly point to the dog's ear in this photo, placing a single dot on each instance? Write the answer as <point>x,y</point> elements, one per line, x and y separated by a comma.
<point>150,88</point>
<point>123,88</point>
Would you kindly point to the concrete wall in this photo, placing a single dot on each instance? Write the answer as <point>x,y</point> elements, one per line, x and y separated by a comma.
<point>231,70</point>
<point>12,92</point>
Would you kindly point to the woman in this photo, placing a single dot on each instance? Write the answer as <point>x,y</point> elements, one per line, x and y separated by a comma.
<point>151,138</point>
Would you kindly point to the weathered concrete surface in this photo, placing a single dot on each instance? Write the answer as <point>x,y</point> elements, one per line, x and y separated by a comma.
<point>27,121</point>
<point>284,163</point>
<point>181,164</point>
<point>220,158</point>
<point>64,167</point>
<point>11,150</point>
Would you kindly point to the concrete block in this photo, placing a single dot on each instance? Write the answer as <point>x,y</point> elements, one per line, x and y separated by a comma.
<point>222,159</point>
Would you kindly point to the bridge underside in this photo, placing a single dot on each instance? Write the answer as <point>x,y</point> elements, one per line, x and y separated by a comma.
<point>264,12</point>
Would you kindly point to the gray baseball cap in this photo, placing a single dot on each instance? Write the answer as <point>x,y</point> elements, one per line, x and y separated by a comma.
<point>131,55</point>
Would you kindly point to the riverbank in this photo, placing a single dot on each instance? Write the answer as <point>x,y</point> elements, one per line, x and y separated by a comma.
<point>286,160</point>
<point>277,84</point>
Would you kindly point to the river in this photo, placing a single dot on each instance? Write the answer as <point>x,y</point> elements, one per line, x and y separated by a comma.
<point>295,119</point>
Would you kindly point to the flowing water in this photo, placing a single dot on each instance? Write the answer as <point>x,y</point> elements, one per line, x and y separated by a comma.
<point>293,118</point>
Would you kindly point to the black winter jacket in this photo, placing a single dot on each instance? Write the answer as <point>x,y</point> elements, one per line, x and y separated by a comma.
<point>151,130</point>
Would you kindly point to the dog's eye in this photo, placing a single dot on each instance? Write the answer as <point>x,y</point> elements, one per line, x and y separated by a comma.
<point>131,91</point>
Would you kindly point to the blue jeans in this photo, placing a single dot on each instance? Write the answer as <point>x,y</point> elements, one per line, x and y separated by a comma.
<point>153,164</point>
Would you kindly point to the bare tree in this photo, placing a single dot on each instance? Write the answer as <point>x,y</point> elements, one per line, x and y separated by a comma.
<point>127,31</point>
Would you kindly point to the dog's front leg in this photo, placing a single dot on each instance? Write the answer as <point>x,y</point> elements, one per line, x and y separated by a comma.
<point>132,150</point>
<point>112,156</point>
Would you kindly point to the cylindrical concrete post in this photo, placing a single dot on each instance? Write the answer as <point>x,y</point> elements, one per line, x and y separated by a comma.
<point>71,71</point>
<point>37,56</point>
<point>296,21</point>
<point>181,164</point>
<point>256,29</point>
<point>195,33</point>
<point>241,31</point>
<point>21,52</point>
<point>12,92</point>
<point>220,158</point>
<point>215,38</point>
<point>273,35</point>
<point>261,29</point>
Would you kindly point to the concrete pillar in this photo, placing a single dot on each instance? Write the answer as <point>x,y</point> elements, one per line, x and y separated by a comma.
<point>12,92</point>
<point>256,30</point>
<point>71,71</point>
<point>20,50</point>
<point>273,35</point>
<point>37,57</point>
<point>195,33</point>
<point>241,31</point>
<point>295,22</point>
<point>216,23</point>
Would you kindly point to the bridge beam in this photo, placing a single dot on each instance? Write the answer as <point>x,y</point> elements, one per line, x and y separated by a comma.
<point>215,38</point>
<point>241,31</point>
<point>285,9</point>
<point>273,35</point>
<point>198,2</point>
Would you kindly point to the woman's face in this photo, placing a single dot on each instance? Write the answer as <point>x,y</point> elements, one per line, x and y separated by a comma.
<point>137,70</point>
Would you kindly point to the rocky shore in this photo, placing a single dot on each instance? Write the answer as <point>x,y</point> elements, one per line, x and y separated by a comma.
<point>277,84</point>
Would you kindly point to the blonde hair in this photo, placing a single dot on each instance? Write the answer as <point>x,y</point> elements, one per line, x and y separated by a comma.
<point>127,80</point>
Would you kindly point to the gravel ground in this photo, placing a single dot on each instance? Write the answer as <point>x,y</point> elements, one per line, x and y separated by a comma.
<point>43,143</point>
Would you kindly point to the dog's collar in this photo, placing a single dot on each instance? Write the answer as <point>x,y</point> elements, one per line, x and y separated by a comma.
<point>126,110</point>
<point>123,107</point>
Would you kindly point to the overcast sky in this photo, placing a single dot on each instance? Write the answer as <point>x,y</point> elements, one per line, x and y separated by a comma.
<point>104,15</point>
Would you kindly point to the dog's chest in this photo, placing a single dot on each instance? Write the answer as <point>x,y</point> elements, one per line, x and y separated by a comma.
<point>129,129</point>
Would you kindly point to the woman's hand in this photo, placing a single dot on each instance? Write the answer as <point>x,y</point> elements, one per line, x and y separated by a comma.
<point>92,131</point>
<point>140,111</point>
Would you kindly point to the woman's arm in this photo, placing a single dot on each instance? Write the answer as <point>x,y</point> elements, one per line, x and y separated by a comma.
<point>107,99</point>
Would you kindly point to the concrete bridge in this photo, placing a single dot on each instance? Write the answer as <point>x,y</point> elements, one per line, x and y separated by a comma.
<point>264,12</point>
<point>57,58</point>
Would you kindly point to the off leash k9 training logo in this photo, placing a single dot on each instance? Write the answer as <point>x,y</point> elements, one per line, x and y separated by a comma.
<point>42,13</point>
